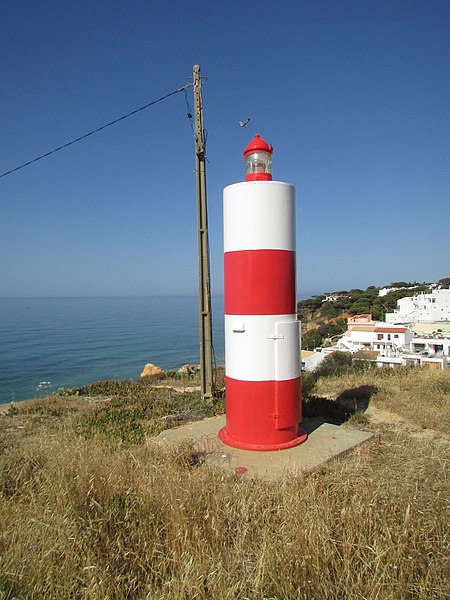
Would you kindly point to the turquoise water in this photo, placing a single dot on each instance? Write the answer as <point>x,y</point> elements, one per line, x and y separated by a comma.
<point>70,342</point>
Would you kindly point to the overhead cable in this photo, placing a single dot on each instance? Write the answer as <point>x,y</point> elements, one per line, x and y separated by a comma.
<point>82,137</point>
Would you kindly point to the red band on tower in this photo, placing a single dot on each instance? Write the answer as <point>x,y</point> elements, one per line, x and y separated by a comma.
<point>260,282</point>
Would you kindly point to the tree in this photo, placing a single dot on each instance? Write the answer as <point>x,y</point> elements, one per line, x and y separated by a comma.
<point>311,340</point>
<point>330,310</point>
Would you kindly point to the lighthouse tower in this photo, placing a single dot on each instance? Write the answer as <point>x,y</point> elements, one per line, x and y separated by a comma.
<point>262,333</point>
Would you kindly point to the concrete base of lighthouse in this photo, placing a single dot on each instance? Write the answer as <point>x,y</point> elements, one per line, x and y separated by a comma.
<point>325,442</point>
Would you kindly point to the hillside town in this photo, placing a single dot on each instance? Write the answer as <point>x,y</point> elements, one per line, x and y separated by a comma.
<point>416,333</point>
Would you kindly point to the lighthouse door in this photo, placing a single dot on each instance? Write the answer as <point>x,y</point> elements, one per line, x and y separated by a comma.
<point>287,374</point>
<point>287,343</point>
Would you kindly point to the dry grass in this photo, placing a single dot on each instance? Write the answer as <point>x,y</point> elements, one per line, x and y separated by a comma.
<point>420,396</point>
<point>87,517</point>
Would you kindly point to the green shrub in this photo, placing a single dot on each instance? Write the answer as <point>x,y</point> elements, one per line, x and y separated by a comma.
<point>135,411</point>
<point>309,380</point>
<point>330,310</point>
<point>340,363</point>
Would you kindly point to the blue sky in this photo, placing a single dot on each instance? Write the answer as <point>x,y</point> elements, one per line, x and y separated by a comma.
<point>354,96</point>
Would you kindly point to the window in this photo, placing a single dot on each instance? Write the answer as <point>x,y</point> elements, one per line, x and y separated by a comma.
<point>380,336</point>
<point>396,335</point>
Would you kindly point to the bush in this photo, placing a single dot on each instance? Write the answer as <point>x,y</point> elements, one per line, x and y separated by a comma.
<point>309,380</point>
<point>329,330</point>
<point>311,340</point>
<point>334,364</point>
<point>339,363</point>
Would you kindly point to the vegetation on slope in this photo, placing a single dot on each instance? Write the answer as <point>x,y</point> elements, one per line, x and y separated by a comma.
<point>86,514</point>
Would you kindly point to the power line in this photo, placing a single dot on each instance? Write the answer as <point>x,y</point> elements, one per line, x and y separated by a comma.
<point>82,137</point>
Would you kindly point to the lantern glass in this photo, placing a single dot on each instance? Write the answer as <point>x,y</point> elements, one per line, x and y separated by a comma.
<point>258,162</point>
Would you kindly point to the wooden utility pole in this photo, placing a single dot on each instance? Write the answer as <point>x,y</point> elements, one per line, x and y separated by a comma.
<point>204,288</point>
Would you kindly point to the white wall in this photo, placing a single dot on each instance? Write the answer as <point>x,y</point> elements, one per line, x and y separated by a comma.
<point>422,307</point>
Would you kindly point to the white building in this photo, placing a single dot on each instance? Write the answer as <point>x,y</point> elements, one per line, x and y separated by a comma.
<point>413,360</point>
<point>387,290</point>
<point>391,338</point>
<point>334,298</point>
<point>431,345</point>
<point>311,360</point>
<point>432,307</point>
<point>365,334</point>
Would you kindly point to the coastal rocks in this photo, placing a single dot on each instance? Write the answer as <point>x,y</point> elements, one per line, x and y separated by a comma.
<point>153,371</point>
<point>188,370</point>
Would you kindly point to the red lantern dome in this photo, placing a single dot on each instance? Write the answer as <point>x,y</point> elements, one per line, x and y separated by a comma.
<point>258,160</point>
<point>258,145</point>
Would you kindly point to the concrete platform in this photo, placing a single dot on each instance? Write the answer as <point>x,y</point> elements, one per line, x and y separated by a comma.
<point>325,442</point>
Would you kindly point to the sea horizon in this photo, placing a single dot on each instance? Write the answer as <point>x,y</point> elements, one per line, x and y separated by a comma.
<point>302,296</point>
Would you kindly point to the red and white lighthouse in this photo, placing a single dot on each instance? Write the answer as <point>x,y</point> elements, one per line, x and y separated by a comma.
<point>262,333</point>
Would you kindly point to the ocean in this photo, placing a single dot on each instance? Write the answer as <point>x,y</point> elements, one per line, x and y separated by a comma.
<point>49,343</point>
<point>52,343</point>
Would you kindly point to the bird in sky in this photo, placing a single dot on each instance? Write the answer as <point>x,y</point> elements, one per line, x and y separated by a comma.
<point>244,123</point>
